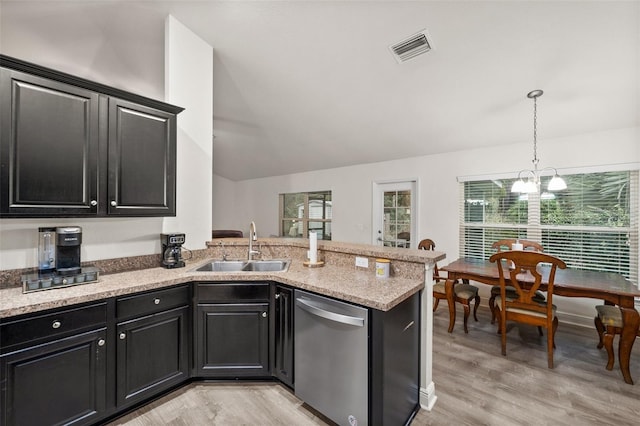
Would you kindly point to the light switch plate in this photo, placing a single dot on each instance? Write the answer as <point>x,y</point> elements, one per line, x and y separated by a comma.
<point>362,262</point>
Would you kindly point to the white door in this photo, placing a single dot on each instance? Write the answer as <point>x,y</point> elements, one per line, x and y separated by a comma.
<point>394,212</point>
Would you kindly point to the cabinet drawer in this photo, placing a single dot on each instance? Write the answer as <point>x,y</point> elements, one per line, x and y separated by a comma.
<point>50,326</point>
<point>230,291</point>
<point>152,302</point>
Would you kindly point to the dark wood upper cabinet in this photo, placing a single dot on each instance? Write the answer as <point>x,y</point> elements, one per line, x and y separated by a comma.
<point>70,147</point>
<point>142,160</point>
<point>49,146</point>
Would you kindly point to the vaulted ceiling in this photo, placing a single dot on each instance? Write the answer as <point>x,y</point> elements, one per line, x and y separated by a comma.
<point>308,85</point>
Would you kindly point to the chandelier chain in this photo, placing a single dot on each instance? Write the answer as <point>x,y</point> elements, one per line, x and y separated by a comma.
<point>532,185</point>
<point>535,133</point>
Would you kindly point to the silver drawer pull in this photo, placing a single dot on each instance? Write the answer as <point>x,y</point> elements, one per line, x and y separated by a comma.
<point>156,301</point>
<point>101,342</point>
<point>277,296</point>
<point>122,336</point>
<point>56,324</point>
<point>264,315</point>
<point>113,204</point>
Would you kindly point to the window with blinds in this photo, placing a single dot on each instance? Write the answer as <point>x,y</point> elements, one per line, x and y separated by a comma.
<point>593,224</point>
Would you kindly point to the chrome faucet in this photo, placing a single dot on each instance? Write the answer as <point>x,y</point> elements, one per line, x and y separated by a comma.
<point>224,254</point>
<point>252,237</point>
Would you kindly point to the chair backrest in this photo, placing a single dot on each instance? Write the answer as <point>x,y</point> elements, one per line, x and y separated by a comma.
<point>526,245</point>
<point>526,262</point>
<point>428,244</point>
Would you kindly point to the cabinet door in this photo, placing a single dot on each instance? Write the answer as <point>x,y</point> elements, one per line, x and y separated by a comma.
<point>48,147</point>
<point>152,355</point>
<point>283,334</point>
<point>232,340</point>
<point>62,382</point>
<point>142,160</point>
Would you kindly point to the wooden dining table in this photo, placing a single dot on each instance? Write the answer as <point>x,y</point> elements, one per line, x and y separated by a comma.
<point>612,288</point>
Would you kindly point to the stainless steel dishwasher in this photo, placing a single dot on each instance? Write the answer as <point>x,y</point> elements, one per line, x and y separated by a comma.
<point>331,362</point>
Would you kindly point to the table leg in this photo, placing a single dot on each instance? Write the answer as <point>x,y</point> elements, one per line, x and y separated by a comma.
<point>448,287</point>
<point>630,323</point>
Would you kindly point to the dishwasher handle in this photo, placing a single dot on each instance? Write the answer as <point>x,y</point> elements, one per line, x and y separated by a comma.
<point>310,307</point>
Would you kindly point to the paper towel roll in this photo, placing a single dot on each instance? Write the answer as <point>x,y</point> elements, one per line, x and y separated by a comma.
<point>313,247</point>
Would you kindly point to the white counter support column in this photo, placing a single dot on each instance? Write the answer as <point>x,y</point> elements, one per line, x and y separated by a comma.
<point>427,387</point>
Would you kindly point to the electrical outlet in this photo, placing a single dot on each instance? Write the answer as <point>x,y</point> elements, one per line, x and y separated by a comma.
<point>362,262</point>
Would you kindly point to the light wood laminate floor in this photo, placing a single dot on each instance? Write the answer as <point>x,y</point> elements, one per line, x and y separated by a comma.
<point>475,385</point>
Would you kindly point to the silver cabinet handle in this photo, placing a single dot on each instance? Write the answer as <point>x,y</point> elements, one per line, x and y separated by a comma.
<point>122,336</point>
<point>277,296</point>
<point>93,203</point>
<point>264,315</point>
<point>156,301</point>
<point>101,342</point>
<point>310,307</point>
<point>408,326</point>
<point>113,203</point>
<point>56,324</point>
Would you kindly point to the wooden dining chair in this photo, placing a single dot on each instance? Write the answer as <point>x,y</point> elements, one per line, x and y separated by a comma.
<point>506,244</point>
<point>608,322</point>
<point>523,308</point>
<point>464,293</point>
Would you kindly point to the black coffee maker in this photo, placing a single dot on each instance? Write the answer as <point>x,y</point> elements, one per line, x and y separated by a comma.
<point>68,242</point>
<point>172,250</point>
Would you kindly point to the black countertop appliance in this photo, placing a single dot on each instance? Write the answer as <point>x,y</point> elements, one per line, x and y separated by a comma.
<point>172,250</point>
<point>68,242</point>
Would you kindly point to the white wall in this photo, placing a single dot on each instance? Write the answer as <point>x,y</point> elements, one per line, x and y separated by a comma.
<point>351,187</point>
<point>224,206</point>
<point>187,86</point>
<point>438,190</point>
<point>189,83</point>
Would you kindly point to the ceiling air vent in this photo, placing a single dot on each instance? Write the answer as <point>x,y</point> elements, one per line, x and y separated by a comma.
<point>411,47</point>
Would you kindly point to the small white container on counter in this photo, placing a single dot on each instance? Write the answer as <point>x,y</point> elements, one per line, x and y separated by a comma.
<point>382,268</point>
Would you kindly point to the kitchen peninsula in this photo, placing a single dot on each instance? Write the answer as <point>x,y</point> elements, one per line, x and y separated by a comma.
<point>116,293</point>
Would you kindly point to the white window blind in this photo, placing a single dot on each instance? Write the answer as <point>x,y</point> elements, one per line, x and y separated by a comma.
<point>593,224</point>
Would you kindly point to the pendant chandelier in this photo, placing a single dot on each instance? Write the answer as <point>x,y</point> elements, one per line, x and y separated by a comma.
<point>532,184</point>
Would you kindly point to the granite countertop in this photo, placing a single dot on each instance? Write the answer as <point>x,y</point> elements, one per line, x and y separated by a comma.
<point>346,283</point>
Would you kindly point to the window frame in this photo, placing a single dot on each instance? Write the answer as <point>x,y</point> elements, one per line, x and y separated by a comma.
<point>305,220</point>
<point>534,229</point>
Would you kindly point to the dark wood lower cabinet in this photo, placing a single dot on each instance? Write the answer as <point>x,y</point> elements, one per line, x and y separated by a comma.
<point>283,334</point>
<point>152,355</point>
<point>394,362</point>
<point>231,329</point>
<point>62,382</point>
<point>233,340</point>
<point>87,363</point>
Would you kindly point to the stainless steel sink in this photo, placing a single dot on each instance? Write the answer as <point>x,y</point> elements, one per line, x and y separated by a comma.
<point>222,266</point>
<point>276,265</point>
<point>266,265</point>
